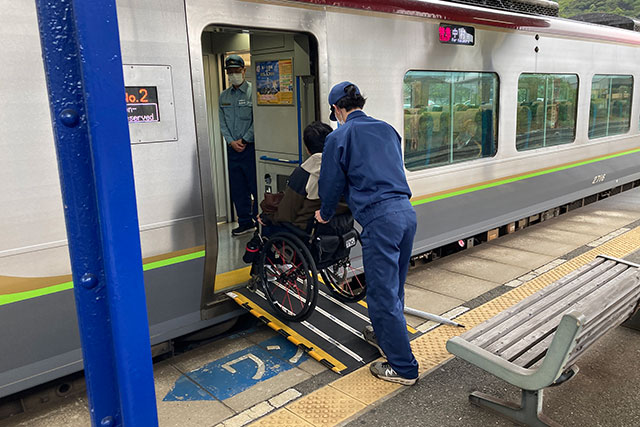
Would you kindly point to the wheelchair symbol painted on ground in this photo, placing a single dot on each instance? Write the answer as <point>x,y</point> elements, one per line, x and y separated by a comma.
<point>237,372</point>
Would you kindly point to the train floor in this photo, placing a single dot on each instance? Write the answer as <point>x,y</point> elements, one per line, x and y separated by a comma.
<point>257,377</point>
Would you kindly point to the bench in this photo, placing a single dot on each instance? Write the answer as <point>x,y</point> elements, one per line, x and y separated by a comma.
<point>536,343</point>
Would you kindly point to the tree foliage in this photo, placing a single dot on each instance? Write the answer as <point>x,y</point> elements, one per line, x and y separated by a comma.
<point>569,8</point>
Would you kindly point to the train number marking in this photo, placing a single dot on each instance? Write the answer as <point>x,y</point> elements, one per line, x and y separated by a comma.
<point>296,357</point>
<point>259,363</point>
<point>599,178</point>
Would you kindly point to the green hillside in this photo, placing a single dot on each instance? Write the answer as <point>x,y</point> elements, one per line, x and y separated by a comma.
<point>569,8</point>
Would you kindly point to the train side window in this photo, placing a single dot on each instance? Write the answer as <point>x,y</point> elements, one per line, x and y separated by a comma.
<point>610,112</point>
<point>449,117</point>
<point>546,114</point>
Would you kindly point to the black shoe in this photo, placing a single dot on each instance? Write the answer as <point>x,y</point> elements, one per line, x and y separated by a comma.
<point>243,229</point>
<point>384,371</point>
<point>370,337</point>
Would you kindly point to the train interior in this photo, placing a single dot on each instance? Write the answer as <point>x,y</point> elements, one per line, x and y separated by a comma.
<point>449,117</point>
<point>281,66</point>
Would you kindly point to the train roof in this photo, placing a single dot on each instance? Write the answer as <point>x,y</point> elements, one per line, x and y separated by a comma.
<point>447,11</point>
<point>610,19</point>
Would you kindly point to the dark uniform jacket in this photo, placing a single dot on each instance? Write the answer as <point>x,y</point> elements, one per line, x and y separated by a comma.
<point>362,160</point>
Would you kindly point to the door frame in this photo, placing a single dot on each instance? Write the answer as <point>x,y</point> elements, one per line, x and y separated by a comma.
<point>200,15</point>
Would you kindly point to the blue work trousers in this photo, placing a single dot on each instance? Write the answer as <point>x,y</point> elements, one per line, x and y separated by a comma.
<point>386,249</point>
<point>242,183</point>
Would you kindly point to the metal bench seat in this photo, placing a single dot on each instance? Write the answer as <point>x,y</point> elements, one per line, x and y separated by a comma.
<point>535,343</point>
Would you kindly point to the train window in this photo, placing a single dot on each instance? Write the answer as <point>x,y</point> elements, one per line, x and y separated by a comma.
<point>610,112</point>
<point>547,105</point>
<point>449,117</point>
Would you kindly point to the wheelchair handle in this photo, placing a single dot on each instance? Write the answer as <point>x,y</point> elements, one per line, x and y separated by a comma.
<point>314,227</point>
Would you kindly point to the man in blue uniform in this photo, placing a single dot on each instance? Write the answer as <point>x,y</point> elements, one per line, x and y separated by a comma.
<point>362,159</point>
<point>236,124</point>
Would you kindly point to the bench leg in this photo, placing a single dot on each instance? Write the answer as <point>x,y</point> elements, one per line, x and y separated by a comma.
<point>528,413</point>
<point>634,322</point>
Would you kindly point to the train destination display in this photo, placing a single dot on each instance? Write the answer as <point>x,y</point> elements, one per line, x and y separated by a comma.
<point>457,34</point>
<point>142,104</point>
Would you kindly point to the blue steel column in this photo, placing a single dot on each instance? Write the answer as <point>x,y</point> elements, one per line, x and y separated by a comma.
<point>81,51</point>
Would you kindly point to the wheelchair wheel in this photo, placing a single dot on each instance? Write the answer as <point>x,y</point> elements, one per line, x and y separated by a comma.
<point>289,277</point>
<point>342,288</point>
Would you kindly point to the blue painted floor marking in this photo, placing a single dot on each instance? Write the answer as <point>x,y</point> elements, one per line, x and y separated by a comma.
<point>184,389</point>
<point>232,374</point>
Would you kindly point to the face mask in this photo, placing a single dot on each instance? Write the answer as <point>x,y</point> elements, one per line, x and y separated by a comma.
<point>236,79</point>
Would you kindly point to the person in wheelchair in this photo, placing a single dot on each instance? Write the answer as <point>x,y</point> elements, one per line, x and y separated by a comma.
<point>300,200</point>
<point>293,249</point>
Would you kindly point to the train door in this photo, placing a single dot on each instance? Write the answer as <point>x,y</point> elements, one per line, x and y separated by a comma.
<point>284,104</point>
<point>281,69</point>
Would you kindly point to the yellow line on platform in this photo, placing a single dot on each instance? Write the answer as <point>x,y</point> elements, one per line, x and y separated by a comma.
<point>350,395</point>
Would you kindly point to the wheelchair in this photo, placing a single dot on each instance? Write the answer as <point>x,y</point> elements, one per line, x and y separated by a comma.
<point>288,262</point>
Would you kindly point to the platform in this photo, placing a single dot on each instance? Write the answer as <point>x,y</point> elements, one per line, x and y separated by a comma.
<point>332,335</point>
<point>258,377</point>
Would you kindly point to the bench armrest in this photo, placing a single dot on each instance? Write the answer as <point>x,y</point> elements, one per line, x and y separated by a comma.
<point>526,379</point>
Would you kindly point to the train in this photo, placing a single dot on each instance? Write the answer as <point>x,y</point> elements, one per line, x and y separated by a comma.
<point>506,118</point>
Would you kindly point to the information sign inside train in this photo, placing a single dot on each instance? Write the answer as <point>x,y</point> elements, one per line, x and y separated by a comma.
<point>142,104</point>
<point>457,34</point>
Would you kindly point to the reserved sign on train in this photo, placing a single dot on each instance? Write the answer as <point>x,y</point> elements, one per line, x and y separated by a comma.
<point>142,104</point>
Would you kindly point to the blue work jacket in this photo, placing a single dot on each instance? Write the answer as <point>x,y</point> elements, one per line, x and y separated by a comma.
<point>236,113</point>
<point>362,160</point>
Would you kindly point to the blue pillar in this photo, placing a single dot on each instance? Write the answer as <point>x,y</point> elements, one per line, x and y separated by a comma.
<point>81,51</point>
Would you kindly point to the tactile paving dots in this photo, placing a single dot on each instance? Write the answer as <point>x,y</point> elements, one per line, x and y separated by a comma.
<point>281,418</point>
<point>431,346</point>
<point>363,386</point>
<point>326,407</point>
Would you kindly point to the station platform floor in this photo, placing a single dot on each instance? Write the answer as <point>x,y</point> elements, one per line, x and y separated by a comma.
<point>256,377</point>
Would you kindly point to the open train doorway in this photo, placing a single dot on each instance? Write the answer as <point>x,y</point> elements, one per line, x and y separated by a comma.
<point>281,73</point>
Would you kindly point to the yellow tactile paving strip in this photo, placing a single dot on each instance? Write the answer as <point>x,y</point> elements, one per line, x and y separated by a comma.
<point>364,387</point>
<point>347,396</point>
<point>282,418</point>
<point>326,407</point>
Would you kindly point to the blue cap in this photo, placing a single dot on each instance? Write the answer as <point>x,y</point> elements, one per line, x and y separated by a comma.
<point>337,93</point>
<point>234,61</point>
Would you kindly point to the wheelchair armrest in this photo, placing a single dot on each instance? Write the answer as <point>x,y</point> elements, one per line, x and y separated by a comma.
<point>301,234</point>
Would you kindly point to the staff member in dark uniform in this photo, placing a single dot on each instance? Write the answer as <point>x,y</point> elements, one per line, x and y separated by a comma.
<point>236,124</point>
<point>363,160</point>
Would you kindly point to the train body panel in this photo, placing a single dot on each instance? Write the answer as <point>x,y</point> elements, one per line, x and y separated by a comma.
<point>153,34</point>
<point>31,209</point>
<point>179,171</point>
<point>467,215</point>
<point>48,343</point>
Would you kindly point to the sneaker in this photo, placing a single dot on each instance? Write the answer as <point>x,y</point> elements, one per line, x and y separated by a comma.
<point>370,337</point>
<point>384,371</point>
<point>243,229</point>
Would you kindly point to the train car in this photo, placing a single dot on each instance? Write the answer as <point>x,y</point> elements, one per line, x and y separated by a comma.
<point>504,116</point>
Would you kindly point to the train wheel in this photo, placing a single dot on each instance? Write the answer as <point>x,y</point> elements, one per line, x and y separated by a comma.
<point>289,277</point>
<point>342,288</point>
